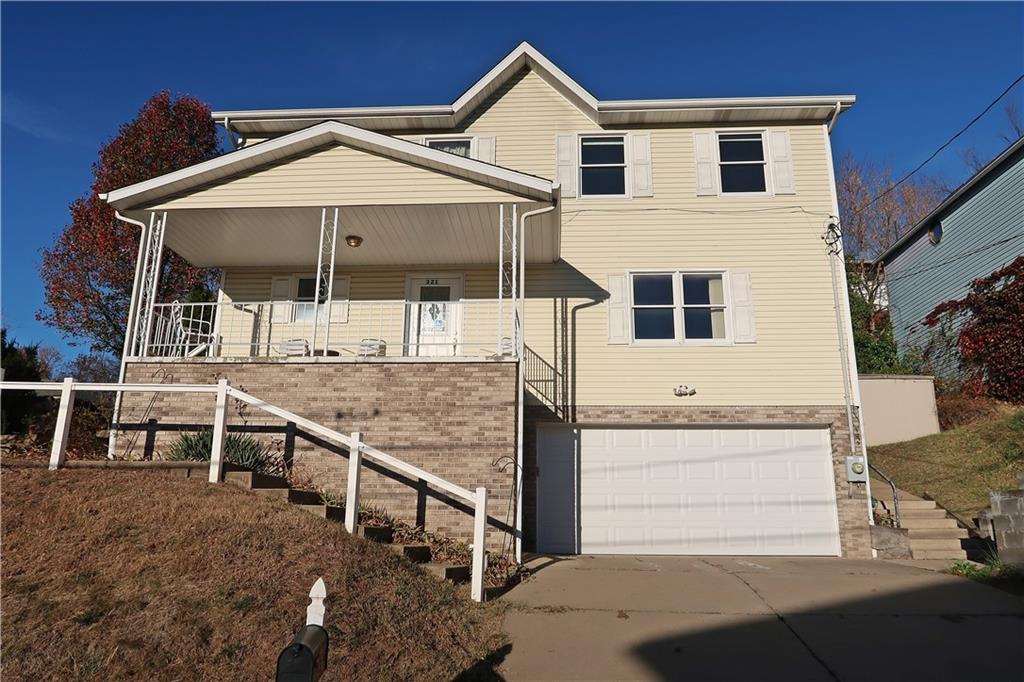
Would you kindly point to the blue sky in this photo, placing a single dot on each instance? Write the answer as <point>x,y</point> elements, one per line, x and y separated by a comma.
<point>72,72</point>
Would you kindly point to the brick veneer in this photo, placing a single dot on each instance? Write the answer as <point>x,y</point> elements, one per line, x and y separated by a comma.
<point>851,498</point>
<point>456,420</point>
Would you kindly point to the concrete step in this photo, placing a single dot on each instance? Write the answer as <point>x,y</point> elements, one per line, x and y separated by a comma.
<point>418,554</point>
<point>301,497</point>
<point>456,574</point>
<point>932,533</point>
<point>915,523</point>
<point>939,554</point>
<point>933,513</point>
<point>251,480</point>
<point>913,505</point>
<point>324,511</point>
<point>934,544</point>
<point>375,533</point>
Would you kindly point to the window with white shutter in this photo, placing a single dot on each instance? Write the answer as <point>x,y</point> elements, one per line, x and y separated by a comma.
<point>618,310</point>
<point>640,149</point>
<point>565,163</point>
<point>782,162</point>
<point>704,156</point>
<point>683,307</point>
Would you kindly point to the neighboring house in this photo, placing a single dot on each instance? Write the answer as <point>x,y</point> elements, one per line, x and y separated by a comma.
<point>975,231</point>
<point>652,270</point>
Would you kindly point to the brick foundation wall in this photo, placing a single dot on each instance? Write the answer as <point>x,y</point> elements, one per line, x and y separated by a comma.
<point>456,420</point>
<point>851,498</point>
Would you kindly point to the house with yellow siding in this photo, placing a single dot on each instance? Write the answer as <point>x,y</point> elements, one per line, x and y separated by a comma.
<point>621,317</point>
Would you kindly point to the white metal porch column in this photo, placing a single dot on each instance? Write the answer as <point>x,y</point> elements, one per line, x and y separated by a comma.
<point>508,262</point>
<point>325,259</point>
<point>140,320</point>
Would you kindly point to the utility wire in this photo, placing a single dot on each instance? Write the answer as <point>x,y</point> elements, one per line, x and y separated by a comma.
<point>939,150</point>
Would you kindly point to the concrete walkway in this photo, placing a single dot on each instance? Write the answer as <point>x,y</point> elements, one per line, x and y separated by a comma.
<point>717,618</point>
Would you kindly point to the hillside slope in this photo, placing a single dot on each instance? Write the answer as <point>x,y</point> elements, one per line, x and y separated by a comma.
<point>958,467</point>
<point>118,575</point>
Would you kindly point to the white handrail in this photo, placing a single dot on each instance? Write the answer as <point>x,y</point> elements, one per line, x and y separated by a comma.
<point>55,387</point>
<point>69,387</point>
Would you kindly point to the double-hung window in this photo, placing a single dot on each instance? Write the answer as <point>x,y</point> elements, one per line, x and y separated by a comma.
<point>603,166</point>
<point>678,307</point>
<point>462,146</point>
<point>741,162</point>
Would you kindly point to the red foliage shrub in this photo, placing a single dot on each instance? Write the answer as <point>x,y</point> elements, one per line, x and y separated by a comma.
<point>991,340</point>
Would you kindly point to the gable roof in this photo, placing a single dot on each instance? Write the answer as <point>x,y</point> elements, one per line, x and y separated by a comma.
<point>329,132</point>
<point>607,112</point>
<point>948,202</point>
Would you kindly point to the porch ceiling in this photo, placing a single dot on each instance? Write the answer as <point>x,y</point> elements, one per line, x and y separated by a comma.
<point>408,234</point>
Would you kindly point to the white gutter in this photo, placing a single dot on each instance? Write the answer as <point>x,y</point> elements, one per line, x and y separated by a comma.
<point>846,101</point>
<point>521,378</point>
<point>132,308</point>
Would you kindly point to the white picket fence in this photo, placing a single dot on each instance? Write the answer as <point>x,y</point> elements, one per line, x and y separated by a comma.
<point>222,390</point>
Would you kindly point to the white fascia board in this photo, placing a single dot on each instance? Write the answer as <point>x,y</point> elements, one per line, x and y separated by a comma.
<point>845,101</point>
<point>345,112</point>
<point>322,133</point>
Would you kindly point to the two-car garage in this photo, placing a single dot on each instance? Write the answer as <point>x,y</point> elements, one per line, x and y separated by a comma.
<point>695,490</point>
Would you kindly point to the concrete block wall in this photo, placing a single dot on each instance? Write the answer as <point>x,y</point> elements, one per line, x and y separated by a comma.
<point>1006,516</point>
<point>851,498</point>
<point>454,419</point>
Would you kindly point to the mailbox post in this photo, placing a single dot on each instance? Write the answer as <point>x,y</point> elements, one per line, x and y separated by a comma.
<point>305,659</point>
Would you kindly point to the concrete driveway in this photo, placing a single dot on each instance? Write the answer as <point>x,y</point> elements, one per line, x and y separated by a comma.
<point>718,618</point>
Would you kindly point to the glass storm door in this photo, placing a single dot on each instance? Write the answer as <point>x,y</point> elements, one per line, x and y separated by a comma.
<point>434,316</point>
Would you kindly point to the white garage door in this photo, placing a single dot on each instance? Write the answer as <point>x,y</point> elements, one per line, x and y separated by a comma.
<point>686,491</point>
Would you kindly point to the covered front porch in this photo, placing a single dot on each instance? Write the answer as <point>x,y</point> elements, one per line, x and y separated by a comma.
<point>364,246</point>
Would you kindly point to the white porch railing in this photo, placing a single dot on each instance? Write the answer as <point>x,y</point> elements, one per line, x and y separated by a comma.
<point>357,449</point>
<point>396,328</point>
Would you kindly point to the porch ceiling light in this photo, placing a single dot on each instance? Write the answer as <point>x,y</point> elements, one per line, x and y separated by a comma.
<point>353,240</point>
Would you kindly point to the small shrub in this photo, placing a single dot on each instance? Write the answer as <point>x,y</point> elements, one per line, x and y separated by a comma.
<point>332,498</point>
<point>1014,453</point>
<point>992,571</point>
<point>239,449</point>
<point>962,406</point>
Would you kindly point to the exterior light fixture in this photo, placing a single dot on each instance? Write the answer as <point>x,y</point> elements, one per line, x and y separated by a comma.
<point>353,240</point>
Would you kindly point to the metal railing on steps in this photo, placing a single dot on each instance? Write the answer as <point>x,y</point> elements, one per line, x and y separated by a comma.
<point>895,494</point>
<point>356,447</point>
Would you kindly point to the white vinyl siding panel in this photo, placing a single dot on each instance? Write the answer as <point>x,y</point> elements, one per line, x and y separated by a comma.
<point>337,176</point>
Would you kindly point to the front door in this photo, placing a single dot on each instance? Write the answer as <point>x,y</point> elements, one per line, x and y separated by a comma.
<point>434,316</point>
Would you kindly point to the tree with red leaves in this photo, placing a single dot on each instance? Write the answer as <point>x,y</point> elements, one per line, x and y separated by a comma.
<point>990,340</point>
<point>88,273</point>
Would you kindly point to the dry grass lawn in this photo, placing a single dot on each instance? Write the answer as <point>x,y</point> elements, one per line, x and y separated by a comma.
<point>115,575</point>
<point>959,467</point>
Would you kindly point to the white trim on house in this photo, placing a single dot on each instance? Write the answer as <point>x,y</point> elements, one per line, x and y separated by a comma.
<point>328,132</point>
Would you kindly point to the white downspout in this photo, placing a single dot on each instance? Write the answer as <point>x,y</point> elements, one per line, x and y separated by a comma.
<point>521,377</point>
<point>847,330</point>
<point>132,309</point>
